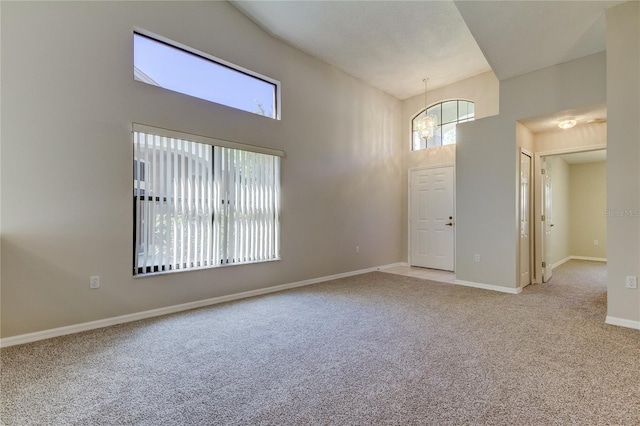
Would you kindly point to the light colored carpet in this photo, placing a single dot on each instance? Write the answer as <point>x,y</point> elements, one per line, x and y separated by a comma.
<point>371,349</point>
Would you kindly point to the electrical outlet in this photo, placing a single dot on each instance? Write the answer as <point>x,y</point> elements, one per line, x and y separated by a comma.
<point>632,281</point>
<point>596,242</point>
<point>476,258</point>
<point>94,282</point>
<point>357,249</point>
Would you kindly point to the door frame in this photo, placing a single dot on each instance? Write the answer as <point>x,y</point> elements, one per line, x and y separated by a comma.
<point>409,205</point>
<point>532,216</point>
<point>537,204</point>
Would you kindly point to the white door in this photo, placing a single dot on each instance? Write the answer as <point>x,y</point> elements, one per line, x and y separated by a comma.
<point>431,218</point>
<point>525,220</point>
<point>546,221</point>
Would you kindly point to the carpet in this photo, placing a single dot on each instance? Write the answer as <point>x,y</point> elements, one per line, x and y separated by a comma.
<point>370,349</point>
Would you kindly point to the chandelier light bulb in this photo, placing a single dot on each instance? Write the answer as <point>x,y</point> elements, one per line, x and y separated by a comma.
<point>426,126</point>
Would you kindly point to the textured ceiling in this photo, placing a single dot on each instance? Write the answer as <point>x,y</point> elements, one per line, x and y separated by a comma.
<point>393,45</point>
<point>390,45</point>
<point>597,113</point>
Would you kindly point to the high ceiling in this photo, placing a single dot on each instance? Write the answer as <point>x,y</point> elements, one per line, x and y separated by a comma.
<point>393,45</point>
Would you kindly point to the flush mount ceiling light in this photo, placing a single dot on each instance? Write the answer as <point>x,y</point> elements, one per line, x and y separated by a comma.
<point>427,124</point>
<point>567,124</point>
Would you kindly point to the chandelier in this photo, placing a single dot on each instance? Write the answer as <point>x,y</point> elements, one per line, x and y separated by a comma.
<point>427,124</point>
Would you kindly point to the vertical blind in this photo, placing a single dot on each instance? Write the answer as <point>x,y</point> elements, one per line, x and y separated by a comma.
<point>198,205</point>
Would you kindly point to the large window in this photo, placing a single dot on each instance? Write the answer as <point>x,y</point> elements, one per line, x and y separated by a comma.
<point>447,115</point>
<point>201,202</point>
<point>185,70</point>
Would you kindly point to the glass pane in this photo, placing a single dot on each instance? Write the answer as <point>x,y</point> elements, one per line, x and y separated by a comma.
<point>415,120</point>
<point>163,65</point>
<point>466,110</point>
<point>463,110</point>
<point>449,134</point>
<point>436,111</point>
<point>449,111</point>
<point>436,140</point>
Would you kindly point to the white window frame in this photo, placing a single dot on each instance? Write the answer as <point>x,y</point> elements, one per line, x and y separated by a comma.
<point>440,124</point>
<point>236,219</point>
<point>230,65</point>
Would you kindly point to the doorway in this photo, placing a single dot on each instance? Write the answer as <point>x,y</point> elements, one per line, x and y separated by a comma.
<point>431,218</point>
<point>570,203</point>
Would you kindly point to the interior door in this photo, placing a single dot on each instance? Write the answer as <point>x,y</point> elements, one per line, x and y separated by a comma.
<point>431,222</point>
<point>546,220</point>
<point>525,220</point>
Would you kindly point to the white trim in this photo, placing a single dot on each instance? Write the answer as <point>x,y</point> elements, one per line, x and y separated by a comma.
<point>623,322</point>
<point>175,134</point>
<point>593,259</point>
<point>489,287</point>
<point>212,58</point>
<point>392,265</point>
<point>561,261</point>
<point>532,266</point>
<point>587,148</point>
<point>92,325</point>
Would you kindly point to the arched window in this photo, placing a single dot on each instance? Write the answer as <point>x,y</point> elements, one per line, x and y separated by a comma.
<point>447,114</point>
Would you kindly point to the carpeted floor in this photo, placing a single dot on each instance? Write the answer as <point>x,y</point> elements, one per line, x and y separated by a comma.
<point>371,349</point>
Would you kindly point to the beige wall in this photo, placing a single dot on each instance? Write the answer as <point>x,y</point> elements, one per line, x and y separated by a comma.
<point>588,203</point>
<point>487,159</point>
<point>485,202</point>
<point>525,138</point>
<point>623,159</point>
<point>561,208</point>
<point>68,102</point>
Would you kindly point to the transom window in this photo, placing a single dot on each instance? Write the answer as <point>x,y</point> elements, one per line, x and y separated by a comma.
<point>447,114</point>
<point>182,69</point>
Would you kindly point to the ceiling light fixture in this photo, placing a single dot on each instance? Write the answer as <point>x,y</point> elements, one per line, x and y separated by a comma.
<point>427,124</point>
<point>567,124</point>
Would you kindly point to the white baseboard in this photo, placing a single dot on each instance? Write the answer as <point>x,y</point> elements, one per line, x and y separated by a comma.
<point>568,258</point>
<point>489,287</point>
<point>623,322</point>
<point>92,325</point>
<point>593,259</point>
<point>561,261</point>
<point>392,265</point>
